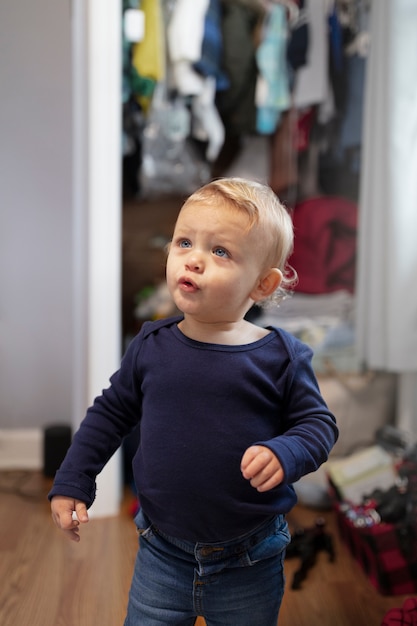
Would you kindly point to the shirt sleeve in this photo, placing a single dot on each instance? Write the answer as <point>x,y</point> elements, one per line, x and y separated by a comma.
<point>112,416</point>
<point>310,429</point>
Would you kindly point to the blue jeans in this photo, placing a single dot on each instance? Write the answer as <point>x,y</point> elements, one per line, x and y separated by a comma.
<point>233,583</point>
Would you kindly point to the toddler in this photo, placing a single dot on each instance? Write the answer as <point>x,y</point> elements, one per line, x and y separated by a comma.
<point>230,416</point>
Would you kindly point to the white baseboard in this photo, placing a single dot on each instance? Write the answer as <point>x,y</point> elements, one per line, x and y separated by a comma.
<point>21,448</point>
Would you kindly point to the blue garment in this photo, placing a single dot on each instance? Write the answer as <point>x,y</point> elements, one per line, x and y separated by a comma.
<point>271,56</point>
<point>236,583</point>
<point>211,61</point>
<point>351,131</point>
<point>200,406</point>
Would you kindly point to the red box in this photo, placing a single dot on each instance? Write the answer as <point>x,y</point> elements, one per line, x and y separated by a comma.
<point>379,552</point>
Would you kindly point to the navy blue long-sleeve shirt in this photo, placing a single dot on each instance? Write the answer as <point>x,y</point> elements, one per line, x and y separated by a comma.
<point>200,406</point>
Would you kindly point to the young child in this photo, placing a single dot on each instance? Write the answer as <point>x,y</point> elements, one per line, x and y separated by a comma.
<point>230,416</point>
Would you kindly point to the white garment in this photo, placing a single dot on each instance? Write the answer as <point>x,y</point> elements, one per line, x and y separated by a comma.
<point>311,85</point>
<point>207,123</point>
<point>387,246</point>
<point>185,33</point>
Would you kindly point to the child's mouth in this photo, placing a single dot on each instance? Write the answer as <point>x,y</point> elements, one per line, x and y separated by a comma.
<point>188,285</point>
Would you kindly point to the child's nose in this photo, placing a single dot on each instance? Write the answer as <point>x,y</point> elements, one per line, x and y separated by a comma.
<point>195,262</point>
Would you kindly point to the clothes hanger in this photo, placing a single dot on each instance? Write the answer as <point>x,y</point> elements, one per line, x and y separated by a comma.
<point>291,6</point>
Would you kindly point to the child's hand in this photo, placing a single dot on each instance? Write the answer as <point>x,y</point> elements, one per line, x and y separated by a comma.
<point>62,509</point>
<point>262,468</point>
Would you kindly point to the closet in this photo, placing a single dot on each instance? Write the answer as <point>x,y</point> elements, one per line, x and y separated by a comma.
<point>267,89</point>
<point>215,76</point>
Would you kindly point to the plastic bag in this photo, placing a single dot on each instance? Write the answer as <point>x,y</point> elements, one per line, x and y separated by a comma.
<point>171,162</point>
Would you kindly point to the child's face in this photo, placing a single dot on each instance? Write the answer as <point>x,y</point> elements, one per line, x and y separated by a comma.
<point>214,263</point>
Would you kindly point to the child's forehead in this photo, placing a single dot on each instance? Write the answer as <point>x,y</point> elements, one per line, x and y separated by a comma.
<point>203,213</point>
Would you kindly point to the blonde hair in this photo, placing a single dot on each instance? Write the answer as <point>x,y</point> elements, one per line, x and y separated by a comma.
<point>266,213</point>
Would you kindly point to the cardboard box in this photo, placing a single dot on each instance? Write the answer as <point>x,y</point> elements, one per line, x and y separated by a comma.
<point>357,475</point>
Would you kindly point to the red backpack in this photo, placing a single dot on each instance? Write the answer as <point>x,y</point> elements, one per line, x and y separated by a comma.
<point>324,256</point>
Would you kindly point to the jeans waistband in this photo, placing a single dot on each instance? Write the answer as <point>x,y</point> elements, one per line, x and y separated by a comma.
<point>218,550</point>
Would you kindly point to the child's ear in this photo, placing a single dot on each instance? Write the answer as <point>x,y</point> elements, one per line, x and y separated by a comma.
<point>268,282</point>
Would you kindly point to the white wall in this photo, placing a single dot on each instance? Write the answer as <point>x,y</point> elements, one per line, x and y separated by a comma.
<point>35,213</point>
<point>97,215</point>
<point>60,213</point>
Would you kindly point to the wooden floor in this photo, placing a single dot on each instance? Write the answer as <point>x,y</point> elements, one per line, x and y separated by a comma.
<point>48,581</point>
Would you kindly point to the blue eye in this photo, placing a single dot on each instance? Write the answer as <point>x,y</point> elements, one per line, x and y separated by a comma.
<point>221,252</point>
<point>185,243</point>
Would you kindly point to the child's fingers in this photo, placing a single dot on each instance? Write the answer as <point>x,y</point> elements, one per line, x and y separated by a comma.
<point>72,534</point>
<point>254,460</point>
<point>63,519</point>
<point>67,515</point>
<point>262,468</point>
<point>269,482</point>
<point>81,512</point>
